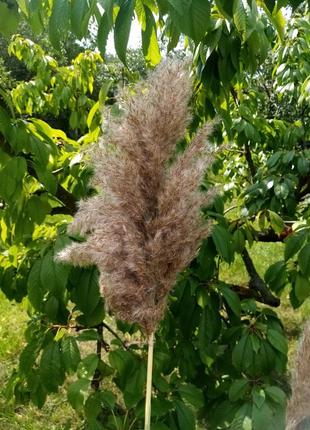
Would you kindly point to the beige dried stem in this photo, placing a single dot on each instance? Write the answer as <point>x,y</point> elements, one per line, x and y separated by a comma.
<point>145,224</point>
<point>298,408</point>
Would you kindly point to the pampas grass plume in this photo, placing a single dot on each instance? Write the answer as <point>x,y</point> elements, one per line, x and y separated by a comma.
<point>145,224</point>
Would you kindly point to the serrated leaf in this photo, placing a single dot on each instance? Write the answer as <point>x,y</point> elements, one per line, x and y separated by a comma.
<point>223,243</point>
<point>135,384</point>
<point>277,340</point>
<point>105,26</point>
<point>186,418</point>
<point>86,293</point>
<point>87,366</point>
<point>28,357</point>
<point>77,393</point>
<point>276,222</point>
<point>78,11</point>
<point>232,299</point>
<point>51,369</point>
<point>293,244</point>
<point>238,389</point>
<point>304,260</point>
<point>240,17</point>
<point>191,394</point>
<point>276,276</point>
<point>108,398</point>
<point>88,335</point>
<point>46,178</point>
<point>59,22</point>
<point>122,28</point>
<point>9,18</point>
<point>53,275</point>
<point>301,288</point>
<point>70,353</point>
<point>194,19</point>
<point>276,394</point>
<point>91,114</point>
<point>36,290</point>
<point>150,46</point>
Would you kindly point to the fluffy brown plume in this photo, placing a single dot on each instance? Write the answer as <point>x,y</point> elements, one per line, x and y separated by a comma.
<point>145,225</point>
<point>298,409</point>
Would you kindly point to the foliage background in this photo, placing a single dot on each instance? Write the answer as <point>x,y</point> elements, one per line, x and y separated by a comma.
<point>221,352</point>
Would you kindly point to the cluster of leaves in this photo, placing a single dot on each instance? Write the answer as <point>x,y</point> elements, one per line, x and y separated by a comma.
<point>220,359</point>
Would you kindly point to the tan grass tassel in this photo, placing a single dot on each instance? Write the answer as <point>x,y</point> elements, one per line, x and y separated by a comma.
<point>298,408</point>
<point>145,224</point>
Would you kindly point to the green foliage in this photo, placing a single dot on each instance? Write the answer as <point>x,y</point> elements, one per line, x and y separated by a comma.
<point>220,358</point>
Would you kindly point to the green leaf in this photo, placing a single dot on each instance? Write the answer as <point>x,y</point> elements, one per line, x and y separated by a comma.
<point>240,17</point>
<point>150,46</point>
<point>242,355</point>
<point>108,398</point>
<point>70,353</point>
<point>293,244</point>
<point>77,393</point>
<point>135,384</point>
<point>37,208</point>
<point>11,176</point>
<point>59,22</point>
<point>276,222</point>
<point>105,26</point>
<point>122,28</point>
<point>51,369</point>
<point>258,396</point>
<point>92,407</point>
<point>276,276</point>
<point>194,21</point>
<point>302,288</point>
<point>78,11</point>
<point>91,115</point>
<point>28,357</point>
<point>304,260</point>
<point>186,418</point>
<point>86,293</point>
<point>51,307</point>
<point>223,243</point>
<point>276,394</point>
<point>88,335</point>
<point>231,298</point>
<point>46,178</point>
<point>36,290</point>
<point>191,394</point>
<point>5,122</point>
<point>238,389</point>
<point>87,366</point>
<point>124,363</point>
<point>9,18</point>
<point>277,340</point>
<point>54,275</point>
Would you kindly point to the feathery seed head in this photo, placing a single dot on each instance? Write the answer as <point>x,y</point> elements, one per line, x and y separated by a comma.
<point>145,224</point>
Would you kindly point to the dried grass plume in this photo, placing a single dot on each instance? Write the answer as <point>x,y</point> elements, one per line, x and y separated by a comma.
<point>298,408</point>
<point>145,224</point>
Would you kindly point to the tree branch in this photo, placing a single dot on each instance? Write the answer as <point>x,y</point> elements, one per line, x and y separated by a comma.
<point>257,284</point>
<point>95,383</point>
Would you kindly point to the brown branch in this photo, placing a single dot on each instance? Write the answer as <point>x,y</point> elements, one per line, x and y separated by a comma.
<point>97,377</point>
<point>69,201</point>
<point>257,284</point>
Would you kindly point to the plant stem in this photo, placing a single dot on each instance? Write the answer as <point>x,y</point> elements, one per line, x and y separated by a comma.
<point>147,422</point>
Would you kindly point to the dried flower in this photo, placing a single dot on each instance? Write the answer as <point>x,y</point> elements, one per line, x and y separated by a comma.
<point>145,224</point>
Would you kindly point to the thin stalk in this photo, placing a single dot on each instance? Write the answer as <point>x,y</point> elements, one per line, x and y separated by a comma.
<point>148,396</point>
